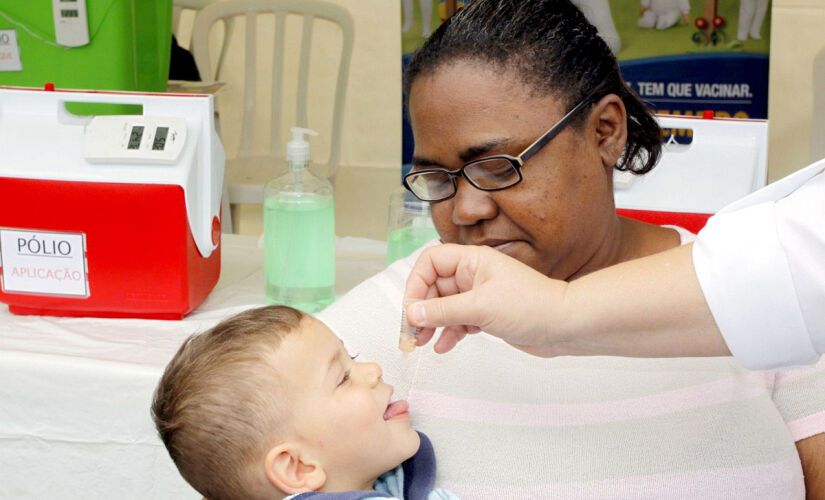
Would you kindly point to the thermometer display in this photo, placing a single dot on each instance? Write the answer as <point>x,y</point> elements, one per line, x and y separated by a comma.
<point>160,138</point>
<point>135,137</point>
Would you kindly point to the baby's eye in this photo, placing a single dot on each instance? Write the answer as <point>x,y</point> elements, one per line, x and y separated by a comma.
<point>344,378</point>
<point>354,356</point>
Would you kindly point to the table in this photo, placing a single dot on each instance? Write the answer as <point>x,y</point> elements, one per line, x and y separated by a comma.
<point>75,392</point>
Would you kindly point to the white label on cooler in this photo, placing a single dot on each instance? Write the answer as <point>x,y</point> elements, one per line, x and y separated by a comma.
<point>9,51</point>
<point>43,262</point>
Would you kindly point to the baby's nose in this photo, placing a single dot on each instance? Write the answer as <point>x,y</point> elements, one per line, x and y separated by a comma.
<point>373,373</point>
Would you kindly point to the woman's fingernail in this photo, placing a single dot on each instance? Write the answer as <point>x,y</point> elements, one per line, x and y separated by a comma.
<point>419,315</point>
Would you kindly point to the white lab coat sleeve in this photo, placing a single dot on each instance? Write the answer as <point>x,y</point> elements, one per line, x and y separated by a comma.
<point>761,266</point>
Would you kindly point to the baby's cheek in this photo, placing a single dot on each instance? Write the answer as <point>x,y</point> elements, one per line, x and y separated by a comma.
<point>363,411</point>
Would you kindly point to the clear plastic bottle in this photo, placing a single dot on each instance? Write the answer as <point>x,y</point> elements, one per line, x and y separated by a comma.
<point>299,233</point>
<point>410,225</point>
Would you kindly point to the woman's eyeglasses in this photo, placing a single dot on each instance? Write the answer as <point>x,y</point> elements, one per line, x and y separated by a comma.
<point>491,173</point>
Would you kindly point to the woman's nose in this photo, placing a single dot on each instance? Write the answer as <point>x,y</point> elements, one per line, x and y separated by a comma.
<point>471,205</point>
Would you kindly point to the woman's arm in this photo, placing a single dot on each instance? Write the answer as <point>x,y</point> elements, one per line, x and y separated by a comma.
<point>812,454</point>
<point>647,307</point>
<point>759,266</point>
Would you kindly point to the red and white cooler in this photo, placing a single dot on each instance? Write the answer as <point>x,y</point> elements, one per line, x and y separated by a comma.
<point>110,215</point>
<point>725,160</point>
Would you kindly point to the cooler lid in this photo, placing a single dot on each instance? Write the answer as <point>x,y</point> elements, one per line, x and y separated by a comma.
<point>172,142</point>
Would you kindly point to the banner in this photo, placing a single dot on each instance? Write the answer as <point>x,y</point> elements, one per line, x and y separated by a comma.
<point>683,57</point>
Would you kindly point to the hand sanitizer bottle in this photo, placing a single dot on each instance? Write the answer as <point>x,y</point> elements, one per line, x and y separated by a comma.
<point>299,233</point>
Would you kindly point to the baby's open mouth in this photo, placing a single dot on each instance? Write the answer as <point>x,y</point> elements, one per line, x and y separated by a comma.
<point>396,409</point>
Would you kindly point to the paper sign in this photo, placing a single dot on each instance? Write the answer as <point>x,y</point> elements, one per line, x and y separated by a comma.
<point>45,263</point>
<point>9,51</point>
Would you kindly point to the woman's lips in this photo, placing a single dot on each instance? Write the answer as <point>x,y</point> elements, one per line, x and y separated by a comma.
<point>505,246</point>
<point>502,246</point>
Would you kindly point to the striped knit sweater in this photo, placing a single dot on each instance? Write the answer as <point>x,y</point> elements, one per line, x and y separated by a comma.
<point>508,425</point>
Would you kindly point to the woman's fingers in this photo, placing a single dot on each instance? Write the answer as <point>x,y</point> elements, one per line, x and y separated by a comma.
<point>424,335</point>
<point>467,289</point>
<point>459,309</point>
<point>450,336</point>
<point>439,267</point>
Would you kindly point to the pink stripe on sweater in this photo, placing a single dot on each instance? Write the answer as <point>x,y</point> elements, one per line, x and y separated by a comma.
<point>807,426</point>
<point>783,378</point>
<point>714,393</point>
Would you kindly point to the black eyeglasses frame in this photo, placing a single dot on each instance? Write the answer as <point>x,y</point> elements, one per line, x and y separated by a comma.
<point>516,161</point>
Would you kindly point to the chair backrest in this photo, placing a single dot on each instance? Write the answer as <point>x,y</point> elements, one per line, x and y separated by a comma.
<point>309,10</point>
<point>178,7</point>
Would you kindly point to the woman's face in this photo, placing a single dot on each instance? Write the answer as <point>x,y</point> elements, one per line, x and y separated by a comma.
<point>560,219</point>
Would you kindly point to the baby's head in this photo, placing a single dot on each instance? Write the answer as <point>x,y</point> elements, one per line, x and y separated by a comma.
<point>269,403</point>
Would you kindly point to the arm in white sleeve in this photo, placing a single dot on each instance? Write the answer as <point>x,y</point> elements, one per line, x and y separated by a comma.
<point>761,266</point>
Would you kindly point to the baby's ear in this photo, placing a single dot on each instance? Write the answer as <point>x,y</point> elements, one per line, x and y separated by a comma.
<point>292,471</point>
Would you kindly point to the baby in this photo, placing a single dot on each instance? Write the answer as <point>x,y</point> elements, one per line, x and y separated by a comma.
<point>269,405</point>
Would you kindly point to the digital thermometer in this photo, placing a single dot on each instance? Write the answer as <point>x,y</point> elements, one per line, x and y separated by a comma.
<point>134,139</point>
<point>71,27</point>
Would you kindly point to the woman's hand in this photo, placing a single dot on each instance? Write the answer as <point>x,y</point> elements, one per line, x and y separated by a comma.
<point>472,288</point>
<point>649,307</point>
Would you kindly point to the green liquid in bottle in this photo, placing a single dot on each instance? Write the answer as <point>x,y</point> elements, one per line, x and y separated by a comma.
<point>403,242</point>
<point>299,244</point>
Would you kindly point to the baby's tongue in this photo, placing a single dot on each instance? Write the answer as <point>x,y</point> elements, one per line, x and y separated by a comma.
<point>396,408</point>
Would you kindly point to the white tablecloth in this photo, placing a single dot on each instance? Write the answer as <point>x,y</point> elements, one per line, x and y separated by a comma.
<point>75,392</point>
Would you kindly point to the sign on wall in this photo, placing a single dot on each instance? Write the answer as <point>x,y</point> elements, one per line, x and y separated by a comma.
<point>683,57</point>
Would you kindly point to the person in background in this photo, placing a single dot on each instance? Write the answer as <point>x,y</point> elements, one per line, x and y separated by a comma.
<point>182,64</point>
<point>520,117</point>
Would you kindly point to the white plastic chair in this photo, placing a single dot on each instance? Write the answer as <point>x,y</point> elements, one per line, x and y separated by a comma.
<point>178,7</point>
<point>248,172</point>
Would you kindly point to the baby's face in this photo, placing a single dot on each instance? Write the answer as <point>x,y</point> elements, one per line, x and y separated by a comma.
<point>341,408</point>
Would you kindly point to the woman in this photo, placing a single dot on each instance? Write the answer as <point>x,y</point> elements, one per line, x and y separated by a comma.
<point>488,83</point>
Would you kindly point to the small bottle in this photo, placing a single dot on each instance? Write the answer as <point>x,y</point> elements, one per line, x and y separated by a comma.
<point>299,233</point>
<point>410,225</point>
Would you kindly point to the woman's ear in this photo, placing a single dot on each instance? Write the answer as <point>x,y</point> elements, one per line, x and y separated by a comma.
<point>609,118</point>
<point>291,470</point>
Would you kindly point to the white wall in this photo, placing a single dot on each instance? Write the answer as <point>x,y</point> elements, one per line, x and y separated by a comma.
<point>797,36</point>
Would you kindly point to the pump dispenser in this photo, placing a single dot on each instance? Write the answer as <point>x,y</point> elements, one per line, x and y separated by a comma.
<point>299,232</point>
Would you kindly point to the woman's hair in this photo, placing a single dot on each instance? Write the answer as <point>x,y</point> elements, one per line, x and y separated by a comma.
<point>551,47</point>
<point>214,407</point>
